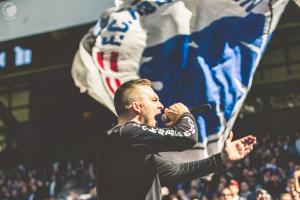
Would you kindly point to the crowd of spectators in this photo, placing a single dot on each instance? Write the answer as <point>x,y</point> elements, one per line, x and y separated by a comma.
<point>66,179</point>
<point>267,173</point>
<point>271,171</point>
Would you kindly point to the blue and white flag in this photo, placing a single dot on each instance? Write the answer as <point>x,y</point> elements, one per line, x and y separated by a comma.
<point>193,51</point>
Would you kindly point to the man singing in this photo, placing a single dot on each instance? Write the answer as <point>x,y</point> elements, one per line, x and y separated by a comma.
<point>129,165</point>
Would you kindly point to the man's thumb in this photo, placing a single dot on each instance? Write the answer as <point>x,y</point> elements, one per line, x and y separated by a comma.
<point>230,136</point>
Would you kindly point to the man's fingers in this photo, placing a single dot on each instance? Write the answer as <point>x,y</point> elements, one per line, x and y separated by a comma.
<point>248,140</point>
<point>173,109</point>
<point>169,124</point>
<point>247,152</point>
<point>179,107</point>
<point>251,138</point>
<point>248,149</point>
<point>169,110</point>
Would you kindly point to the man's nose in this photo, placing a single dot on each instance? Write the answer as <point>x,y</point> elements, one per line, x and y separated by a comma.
<point>160,106</point>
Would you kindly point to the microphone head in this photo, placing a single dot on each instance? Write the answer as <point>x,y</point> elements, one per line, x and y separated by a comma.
<point>164,118</point>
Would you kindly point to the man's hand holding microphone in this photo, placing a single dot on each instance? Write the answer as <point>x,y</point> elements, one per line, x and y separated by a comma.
<point>173,113</point>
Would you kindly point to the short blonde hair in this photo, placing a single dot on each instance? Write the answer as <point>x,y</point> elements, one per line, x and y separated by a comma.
<point>124,95</point>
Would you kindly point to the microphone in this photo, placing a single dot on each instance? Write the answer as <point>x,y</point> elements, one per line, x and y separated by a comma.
<point>194,110</point>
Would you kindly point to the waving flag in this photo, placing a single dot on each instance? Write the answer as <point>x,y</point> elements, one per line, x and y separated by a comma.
<point>193,51</point>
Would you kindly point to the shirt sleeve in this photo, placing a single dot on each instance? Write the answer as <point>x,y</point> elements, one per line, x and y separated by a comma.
<point>170,172</point>
<point>182,135</point>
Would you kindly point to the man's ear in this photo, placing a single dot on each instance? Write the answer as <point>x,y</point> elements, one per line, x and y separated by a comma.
<point>136,107</point>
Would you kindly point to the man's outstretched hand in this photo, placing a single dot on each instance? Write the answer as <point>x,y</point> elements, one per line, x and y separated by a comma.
<point>238,149</point>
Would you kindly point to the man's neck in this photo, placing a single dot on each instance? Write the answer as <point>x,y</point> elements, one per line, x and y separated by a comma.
<point>124,119</point>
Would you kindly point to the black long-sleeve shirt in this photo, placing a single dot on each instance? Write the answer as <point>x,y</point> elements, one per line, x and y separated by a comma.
<point>129,166</point>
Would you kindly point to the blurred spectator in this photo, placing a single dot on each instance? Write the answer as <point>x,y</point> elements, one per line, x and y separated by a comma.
<point>235,189</point>
<point>285,196</point>
<point>181,194</point>
<point>165,193</point>
<point>226,194</point>
<point>297,144</point>
<point>262,194</point>
<point>245,190</point>
<point>294,185</point>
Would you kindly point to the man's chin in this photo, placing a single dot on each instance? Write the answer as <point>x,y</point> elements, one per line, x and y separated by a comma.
<point>154,123</point>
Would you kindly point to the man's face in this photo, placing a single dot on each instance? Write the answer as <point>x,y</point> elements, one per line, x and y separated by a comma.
<point>286,197</point>
<point>150,105</point>
<point>234,189</point>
